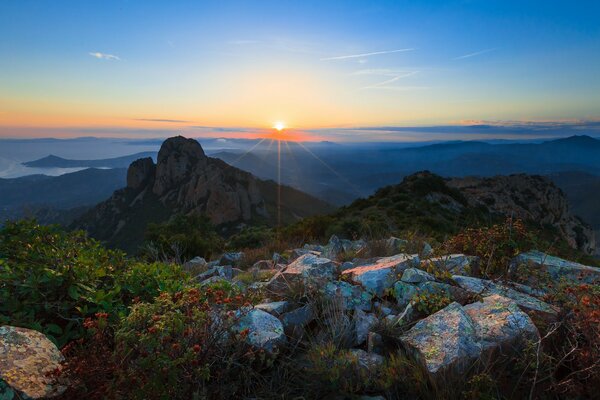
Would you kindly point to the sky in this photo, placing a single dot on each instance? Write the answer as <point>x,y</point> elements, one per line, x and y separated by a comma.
<point>330,70</point>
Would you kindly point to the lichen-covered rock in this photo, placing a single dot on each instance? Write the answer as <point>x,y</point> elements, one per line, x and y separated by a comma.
<point>452,339</point>
<point>414,275</point>
<point>381,273</point>
<point>444,341</point>
<point>458,264</point>
<point>352,296</point>
<point>404,292</point>
<point>500,323</point>
<point>487,288</point>
<point>556,267</point>
<point>264,330</point>
<point>27,358</point>
<point>310,267</point>
<point>225,272</point>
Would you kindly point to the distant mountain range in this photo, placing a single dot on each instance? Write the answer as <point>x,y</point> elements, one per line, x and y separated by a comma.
<point>53,161</point>
<point>335,173</point>
<point>48,196</point>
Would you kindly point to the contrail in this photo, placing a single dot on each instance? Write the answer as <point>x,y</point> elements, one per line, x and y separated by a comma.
<point>474,54</point>
<point>364,54</point>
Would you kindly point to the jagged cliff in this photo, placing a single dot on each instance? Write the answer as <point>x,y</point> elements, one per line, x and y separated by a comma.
<point>183,181</point>
<point>528,197</point>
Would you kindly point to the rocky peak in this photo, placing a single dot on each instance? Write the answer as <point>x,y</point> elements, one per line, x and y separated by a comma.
<point>141,173</point>
<point>178,156</point>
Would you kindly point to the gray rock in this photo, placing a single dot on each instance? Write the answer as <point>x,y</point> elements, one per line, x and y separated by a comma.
<point>262,264</point>
<point>353,297</point>
<point>225,272</point>
<point>195,265</point>
<point>279,259</point>
<point>231,258</point>
<point>414,275</point>
<point>404,292</point>
<point>444,341</point>
<point>452,339</point>
<point>296,253</point>
<point>379,274</point>
<point>500,323</point>
<point>295,321</point>
<point>264,330</point>
<point>363,322</point>
<point>487,288</point>
<point>556,268</point>
<point>458,264</point>
<point>275,308</point>
<point>311,268</point>
<point>27,358</point>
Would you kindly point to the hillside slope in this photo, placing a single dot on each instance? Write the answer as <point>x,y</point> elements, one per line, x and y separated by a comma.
<point>439,207</point>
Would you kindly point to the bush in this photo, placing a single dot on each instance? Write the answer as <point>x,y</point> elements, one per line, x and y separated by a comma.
<point>181,345</point>
<point>51,280</point>
<point>496,245</point>
<point>182,238</point>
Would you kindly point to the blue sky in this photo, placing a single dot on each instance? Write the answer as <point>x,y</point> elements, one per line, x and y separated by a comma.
<point>144,66</point>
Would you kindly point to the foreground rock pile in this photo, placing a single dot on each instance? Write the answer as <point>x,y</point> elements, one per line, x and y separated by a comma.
<point>435,308</point>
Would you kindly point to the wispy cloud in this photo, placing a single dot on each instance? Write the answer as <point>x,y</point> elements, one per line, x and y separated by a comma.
<point>160,120</point>
<point>393,75</point>
<point>477,53</point>
<point>375,53</point>
<point>104,56</point>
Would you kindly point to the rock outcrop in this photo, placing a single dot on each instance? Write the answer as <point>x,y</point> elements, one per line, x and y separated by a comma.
<point>528,197</point>
<point>185,181</point>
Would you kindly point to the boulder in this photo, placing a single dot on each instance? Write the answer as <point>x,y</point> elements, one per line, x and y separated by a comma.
<point>225,272</point>
<point>444,341</point>
<point>380,274</point>
<point>414,275</point>
<point>264,330</point>
<point>500,323</point>
<point>195,265</point>
<point>352,296</point>
<point>454,338</point>
<point>311,268</point>
<point>528,303</point>
<point>295,321</point>
<point>231,258</point>
<point>275,308</point>
<point>27,360</point>
<point>458,264</point>
<point>556,268</point>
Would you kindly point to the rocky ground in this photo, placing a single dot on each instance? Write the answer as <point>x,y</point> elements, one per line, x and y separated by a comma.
<point>438,309</point>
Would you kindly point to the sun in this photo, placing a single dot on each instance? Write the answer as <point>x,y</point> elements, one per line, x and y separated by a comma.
<point>279,126</point>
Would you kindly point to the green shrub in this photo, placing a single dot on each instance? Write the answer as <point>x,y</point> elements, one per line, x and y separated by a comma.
<point>182,238</point>
<point>51,280</point>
